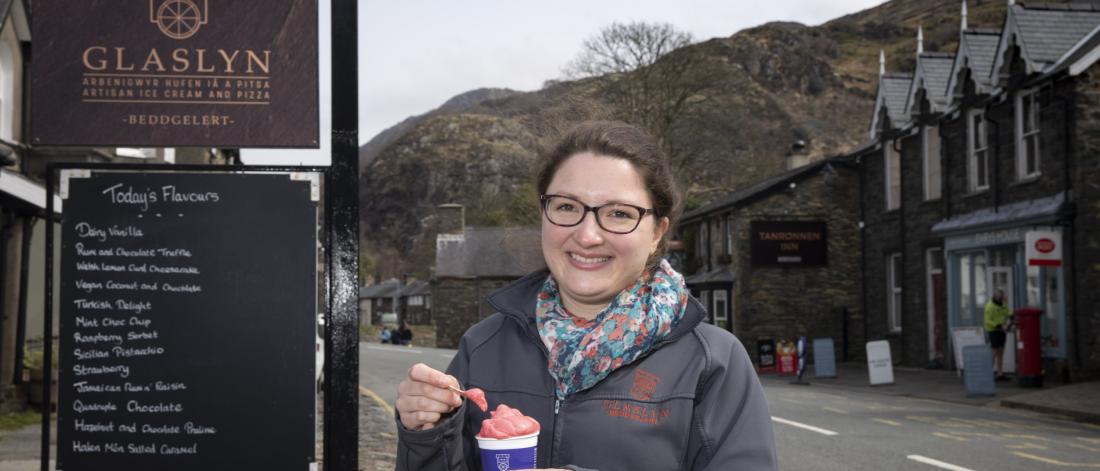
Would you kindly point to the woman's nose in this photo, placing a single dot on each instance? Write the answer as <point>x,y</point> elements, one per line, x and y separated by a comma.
<point>588,232</point>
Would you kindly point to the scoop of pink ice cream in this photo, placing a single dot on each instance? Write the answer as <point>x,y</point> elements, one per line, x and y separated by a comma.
<point>507,422</point>
<point>478,397</point>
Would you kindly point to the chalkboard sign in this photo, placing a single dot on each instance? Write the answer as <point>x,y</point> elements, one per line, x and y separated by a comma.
<point>979,372</point>
<point>824,358</point>
<point>188,319</point>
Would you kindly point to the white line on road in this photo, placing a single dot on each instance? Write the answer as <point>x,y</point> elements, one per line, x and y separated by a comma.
<point>937,463</point>
<point>804,426</point>
<point>394,349</point>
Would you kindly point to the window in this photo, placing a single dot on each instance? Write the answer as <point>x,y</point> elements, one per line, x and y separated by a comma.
<point>704,299</point>
<point>977,151</point>
<point>1027,135</point>
<point>416,300</point>
<point>701,242</point>
<point>893,175</point>
<point>721,318</point>
<point>933,176</point>
<point>893,291</point>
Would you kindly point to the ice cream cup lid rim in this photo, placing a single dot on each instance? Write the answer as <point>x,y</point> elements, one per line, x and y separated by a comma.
<point>510,438</point>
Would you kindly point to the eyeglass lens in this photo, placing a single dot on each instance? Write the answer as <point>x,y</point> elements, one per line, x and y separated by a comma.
<point>618,218</point>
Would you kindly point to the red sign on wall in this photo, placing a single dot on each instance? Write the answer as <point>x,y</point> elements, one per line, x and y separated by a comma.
<point>159,73</point>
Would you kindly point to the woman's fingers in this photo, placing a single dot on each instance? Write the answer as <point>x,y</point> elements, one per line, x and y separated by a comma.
<point>423,397</point>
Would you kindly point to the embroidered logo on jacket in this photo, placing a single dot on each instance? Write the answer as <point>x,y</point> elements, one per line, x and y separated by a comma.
<point>644,413</point>
<point>644,385</point>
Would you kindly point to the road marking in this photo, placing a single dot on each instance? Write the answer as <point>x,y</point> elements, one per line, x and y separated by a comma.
<point>888,422</point>
<point>1027,446</point>
<point>1055,462</point>
<point>952,437</point>
<point>1025,437</point>
<point>393,349</point>
<point>1094,441</point>
<point>804,426</point>
<point>937,463</point>
<point>1083,447</point>
<point>834,409</point>
<point>377,399</point>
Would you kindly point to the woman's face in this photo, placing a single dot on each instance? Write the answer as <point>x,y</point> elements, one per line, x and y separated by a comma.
<point>591,265</point>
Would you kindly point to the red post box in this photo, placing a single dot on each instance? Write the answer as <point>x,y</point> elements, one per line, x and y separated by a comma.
<point>1029,351</point>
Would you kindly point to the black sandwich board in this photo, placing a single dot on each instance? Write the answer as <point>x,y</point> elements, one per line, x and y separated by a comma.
<point>188,314</point>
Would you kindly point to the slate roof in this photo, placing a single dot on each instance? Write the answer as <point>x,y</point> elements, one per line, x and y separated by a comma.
<point>1048,31</point>
<point>416,288</point>
<point>489,252</point>
<point>894,89</point>
<point>934,68</point>
<point>720,275</point>
<point>1015,214</point>
<point>385,289</point>
<point>774,183</point>
<point>981,45</point>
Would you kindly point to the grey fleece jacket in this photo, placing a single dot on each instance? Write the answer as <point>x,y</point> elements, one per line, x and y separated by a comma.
<point>693,402</point>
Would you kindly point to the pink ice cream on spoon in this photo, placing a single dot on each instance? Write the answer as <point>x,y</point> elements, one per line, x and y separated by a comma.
<point>507,422</point>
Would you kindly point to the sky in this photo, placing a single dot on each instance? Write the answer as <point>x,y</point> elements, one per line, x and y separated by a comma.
<point>416,54</point>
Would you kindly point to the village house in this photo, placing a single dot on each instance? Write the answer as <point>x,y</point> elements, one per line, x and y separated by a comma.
<point>779,259</point>
<point>984,150</point>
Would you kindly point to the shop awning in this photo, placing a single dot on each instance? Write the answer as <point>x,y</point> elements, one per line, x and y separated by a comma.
<point>1037,211</point>
<point>23,194</point>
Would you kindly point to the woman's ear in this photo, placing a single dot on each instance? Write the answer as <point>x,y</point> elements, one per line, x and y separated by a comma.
<point>659,232</point>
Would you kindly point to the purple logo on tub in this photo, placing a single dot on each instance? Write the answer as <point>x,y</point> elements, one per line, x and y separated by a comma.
<point>502,462</point>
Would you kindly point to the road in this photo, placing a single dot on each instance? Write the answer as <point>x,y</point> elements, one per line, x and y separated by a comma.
<point>827,428</point>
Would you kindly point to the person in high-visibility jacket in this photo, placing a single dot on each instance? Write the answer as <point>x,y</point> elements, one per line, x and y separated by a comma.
<point>996,321</point>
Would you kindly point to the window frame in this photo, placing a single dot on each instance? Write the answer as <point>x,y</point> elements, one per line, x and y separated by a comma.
<point>893,292</point>
<point>891,159</point>
<point>972,151</point>
<point>1028,139</point>
<point>930,158</point>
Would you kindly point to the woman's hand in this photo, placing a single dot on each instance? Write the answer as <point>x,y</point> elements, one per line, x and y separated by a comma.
<point>423,397</point>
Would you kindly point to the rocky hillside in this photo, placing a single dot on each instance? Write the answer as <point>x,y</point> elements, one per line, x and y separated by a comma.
<point>770,86</point>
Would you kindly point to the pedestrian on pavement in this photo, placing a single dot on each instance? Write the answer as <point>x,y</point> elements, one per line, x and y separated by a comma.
<point>385,335</point>
<point>404,334</point>
<point>996,321</point>
<point>606,348</point>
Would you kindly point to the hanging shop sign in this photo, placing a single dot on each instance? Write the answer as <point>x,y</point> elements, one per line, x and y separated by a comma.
<point>162,73</point>
<point>1044,248</point>
<point>788,243</point>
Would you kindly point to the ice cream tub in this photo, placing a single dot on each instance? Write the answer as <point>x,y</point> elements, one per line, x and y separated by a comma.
<point>502,454</point>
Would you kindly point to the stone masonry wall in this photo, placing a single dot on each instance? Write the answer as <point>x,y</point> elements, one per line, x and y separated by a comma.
<point>458,304</point>
<point>786,302</point>
<point>1084,265</point>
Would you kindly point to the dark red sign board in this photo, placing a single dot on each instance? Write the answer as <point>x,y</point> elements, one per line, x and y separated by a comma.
<point>160,73</point>
<point>788,243</point>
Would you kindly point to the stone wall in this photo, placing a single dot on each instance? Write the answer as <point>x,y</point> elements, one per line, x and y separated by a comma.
<point>787,302</point>
<point>1083,315</point>
<point>881,237</point>
<point>458,304</point>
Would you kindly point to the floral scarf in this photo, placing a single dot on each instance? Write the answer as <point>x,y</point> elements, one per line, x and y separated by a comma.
<point>583,352</point>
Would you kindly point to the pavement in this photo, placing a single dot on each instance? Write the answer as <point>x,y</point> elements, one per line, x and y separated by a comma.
<point>378,441</point>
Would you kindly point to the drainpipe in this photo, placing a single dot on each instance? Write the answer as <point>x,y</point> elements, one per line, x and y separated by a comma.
<point>21,321</point>
<point>863,248</point>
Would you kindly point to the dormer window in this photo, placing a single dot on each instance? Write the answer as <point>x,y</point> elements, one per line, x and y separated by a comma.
<point>1027,135</point>
<point>977,151</point>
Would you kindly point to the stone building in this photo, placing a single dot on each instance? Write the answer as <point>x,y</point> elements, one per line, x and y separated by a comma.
<point>999,147</point>
<point>470,263</point>
<point>780,259</point>
<point>413,302</point>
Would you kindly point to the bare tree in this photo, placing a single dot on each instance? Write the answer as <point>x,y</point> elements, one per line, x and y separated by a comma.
<point>654,78</point>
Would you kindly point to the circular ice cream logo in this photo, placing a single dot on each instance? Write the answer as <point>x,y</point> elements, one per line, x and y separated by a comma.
<point>178,19</point>
<point>502,462</point>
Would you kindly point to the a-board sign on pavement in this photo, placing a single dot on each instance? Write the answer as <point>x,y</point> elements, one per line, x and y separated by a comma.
<point>880,368</point>
<point>979,371</point>
<point>962,337</point>
<point>824,358</point>
<point>187,321</point>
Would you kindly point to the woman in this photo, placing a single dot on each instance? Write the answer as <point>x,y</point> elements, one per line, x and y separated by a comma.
<point>607,350</point>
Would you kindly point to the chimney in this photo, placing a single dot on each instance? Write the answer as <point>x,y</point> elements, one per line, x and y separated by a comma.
<point>963,25</point>
<point>452,218</point>
<point>798,155</point>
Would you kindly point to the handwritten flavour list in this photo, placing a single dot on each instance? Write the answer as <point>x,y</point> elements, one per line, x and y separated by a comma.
<point>187,321</point>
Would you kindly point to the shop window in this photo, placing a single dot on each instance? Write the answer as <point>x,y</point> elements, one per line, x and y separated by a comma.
<point>893,175</point>
<point>933,176</point>
<point>893,291</point>
<point>1027,135</point>
<point>977,151</point>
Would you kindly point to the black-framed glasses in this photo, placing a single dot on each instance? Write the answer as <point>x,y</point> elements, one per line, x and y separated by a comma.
<point>618,218</point>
